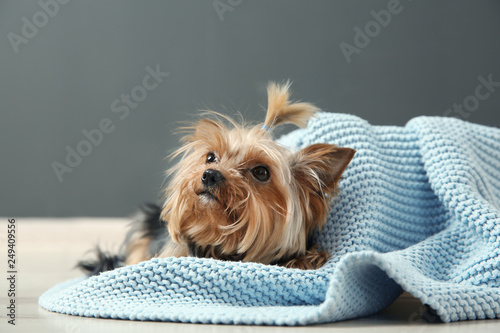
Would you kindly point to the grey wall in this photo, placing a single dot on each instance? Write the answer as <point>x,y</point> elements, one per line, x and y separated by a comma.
<point>65,76</point>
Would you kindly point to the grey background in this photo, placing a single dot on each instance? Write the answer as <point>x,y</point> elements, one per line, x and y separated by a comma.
<point>65,78</point>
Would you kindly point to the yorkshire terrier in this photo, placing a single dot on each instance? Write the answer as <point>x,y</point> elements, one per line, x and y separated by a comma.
<point>238,195</point>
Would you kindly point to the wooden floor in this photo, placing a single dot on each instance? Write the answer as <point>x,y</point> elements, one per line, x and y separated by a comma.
<point>47,250</point>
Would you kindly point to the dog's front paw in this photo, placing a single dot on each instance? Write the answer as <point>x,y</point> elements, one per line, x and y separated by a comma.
<point>313,259</point>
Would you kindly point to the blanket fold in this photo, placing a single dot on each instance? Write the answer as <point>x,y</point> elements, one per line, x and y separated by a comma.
<point>418,211</point>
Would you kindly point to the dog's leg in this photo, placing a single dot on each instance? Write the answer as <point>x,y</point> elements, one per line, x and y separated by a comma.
<point>172,249</point>
<point>137,251</point>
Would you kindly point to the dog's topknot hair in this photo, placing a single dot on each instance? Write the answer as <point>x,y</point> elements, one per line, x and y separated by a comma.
<point>280,110</point>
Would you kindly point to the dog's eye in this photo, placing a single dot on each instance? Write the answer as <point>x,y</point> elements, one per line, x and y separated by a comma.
<point>211,158</point>
<point>261,173</point>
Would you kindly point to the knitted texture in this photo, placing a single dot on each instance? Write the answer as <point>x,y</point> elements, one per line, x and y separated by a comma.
<point>418,211</point>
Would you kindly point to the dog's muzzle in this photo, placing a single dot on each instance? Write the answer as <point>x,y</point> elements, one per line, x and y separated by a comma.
<point>211,177</point>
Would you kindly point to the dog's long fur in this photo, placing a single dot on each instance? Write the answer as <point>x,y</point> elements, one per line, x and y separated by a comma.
<point>236,194</point>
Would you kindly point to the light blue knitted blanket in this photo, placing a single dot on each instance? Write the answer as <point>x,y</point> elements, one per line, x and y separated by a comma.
<point>418,211</point>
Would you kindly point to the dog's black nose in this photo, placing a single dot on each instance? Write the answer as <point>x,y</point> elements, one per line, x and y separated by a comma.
<point>211,177</point>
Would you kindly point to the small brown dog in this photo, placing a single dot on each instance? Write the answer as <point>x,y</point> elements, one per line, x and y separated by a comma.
<point>236,194</point>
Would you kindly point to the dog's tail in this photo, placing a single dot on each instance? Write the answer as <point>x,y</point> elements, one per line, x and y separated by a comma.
<point>104,261</point>
<point>147,236</point>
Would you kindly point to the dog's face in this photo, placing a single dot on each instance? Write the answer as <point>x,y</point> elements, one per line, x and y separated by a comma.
<point>236,194</point>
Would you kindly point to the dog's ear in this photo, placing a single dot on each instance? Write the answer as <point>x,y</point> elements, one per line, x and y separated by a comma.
<point>204,130</point>
<point>207,129</point>
<point>319,166</point>
<point>317,170</point>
